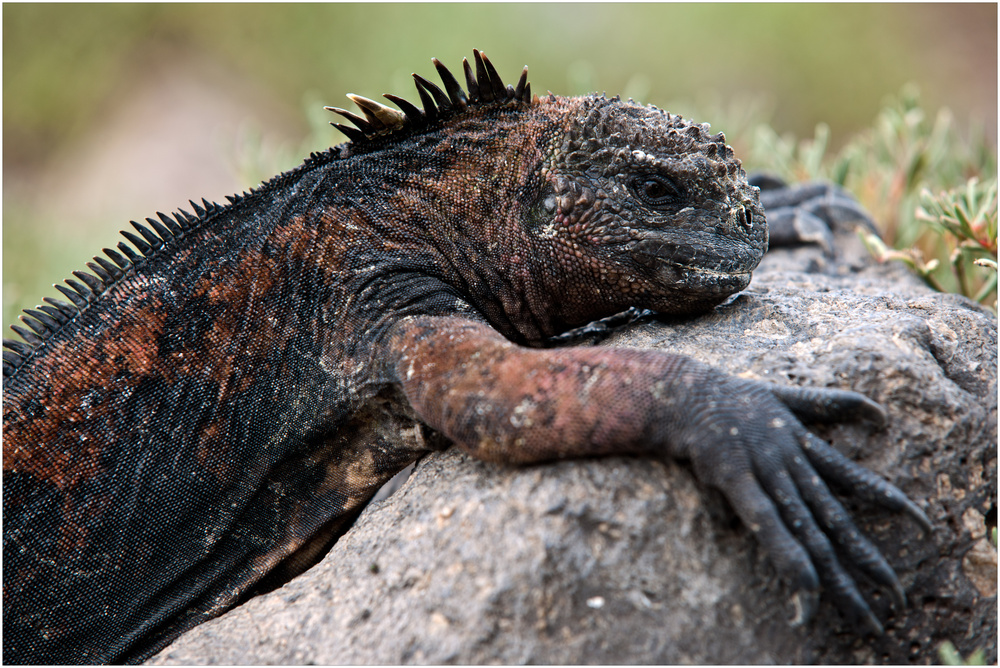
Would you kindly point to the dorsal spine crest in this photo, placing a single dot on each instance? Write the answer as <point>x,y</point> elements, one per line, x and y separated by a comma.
<point>485,87</point>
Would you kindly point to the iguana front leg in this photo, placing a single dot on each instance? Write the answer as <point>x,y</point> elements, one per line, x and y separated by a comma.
<point>505,403</point>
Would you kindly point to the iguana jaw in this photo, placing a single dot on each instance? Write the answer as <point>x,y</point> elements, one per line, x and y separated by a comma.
<point>697,284</point>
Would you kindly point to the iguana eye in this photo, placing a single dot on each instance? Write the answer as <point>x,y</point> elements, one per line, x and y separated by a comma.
<point>654,190</point>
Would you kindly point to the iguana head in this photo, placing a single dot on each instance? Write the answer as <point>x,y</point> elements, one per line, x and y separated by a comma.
<point>600,204</point>
<point>660,208</point>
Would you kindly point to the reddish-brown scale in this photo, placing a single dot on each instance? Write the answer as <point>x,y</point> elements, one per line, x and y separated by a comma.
<point>58,445</point>
<point>219,403</point>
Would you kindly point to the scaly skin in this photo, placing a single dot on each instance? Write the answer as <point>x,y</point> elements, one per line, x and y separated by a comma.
<point>198,424</point>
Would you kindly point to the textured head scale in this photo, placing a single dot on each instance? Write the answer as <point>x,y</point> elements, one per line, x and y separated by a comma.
<point>484,87</point>
<point>613,130</point>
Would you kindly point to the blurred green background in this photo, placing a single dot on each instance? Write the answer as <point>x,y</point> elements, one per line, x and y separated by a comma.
<point>112,112</point>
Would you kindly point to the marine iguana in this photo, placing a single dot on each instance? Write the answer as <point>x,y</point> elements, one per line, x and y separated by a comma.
<point>183,431</point>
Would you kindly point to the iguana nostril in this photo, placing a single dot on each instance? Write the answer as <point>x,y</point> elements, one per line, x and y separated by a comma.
<point>745,218</point>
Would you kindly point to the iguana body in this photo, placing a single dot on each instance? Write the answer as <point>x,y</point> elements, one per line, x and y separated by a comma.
<point>189,426</point>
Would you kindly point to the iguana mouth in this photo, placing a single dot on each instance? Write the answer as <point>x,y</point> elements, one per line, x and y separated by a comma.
<point>698,281</point>
<point>705,254</point>
<point>703,267</point>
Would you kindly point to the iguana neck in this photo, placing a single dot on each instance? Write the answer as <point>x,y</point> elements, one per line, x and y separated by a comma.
<point>449,205</point>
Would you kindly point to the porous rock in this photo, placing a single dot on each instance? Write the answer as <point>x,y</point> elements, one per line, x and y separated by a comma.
<point>629,560</point>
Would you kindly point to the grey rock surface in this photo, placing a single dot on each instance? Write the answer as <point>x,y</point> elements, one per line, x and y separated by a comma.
<point>628,560</point>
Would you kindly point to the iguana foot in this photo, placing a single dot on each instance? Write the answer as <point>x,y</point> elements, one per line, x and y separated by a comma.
<point>775,474</point>
<point>808,213</point>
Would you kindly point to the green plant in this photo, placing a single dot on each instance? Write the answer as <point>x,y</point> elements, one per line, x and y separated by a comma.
<point>931,187</point>
<point>967,218</point>
<point>963,220</point>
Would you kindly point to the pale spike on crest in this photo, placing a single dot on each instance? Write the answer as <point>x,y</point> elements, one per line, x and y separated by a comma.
<point>483,83</point>
<point>379,115</point>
